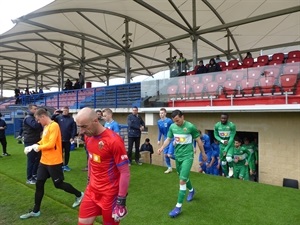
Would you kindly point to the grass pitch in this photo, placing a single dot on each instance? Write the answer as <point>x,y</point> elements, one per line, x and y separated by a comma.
<point>152,194</point>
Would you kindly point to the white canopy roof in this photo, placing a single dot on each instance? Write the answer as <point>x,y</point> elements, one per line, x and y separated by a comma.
<point>126,38</point>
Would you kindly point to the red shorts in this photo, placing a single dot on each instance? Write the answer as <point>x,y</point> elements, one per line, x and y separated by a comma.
<point>94,204</point>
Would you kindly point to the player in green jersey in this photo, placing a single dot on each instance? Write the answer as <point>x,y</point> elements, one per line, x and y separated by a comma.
<point>183,133</point>
<point>224,132</point>
<point>241,156</point>
<point>253,158</point>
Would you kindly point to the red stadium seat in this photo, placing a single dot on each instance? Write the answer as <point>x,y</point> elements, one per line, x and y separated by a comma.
<point>172,91</point>
<point>291,69</point>
<point>258,64</point>
<point>184,91</point>
<point>263,59</point>
<point>248,62</point>
<point>230,87</point>
<point>197,90</point>
<point>222,64</point>
<point>226,68</point>
<point>206,79</point>
<point>221,78</point>
<point>288,82</point>
<point>182,81</point>
<point>266,85</point>
<point>237,75</point>
<point>272,72</point>
<point>293,60</point>
<point>248,86</point>
<point>192,80</point>
<point>212,88</point>
<point>233,63</point>
<point>254,73</point>
<point>278,57</point>
<point>275,62</point>
<point>294,54</point>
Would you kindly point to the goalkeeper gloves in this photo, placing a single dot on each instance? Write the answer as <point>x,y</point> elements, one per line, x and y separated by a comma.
<point>27,150</point>
<point>30,148</point>
<point>120,210</point>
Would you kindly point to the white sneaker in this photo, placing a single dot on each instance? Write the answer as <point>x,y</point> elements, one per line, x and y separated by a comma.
<point>78,200</point>
<point>30,214</point>
<point>169,170</point>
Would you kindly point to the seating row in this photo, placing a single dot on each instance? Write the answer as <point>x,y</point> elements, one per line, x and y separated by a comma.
<point>275,59</point>
<point>249,86</point>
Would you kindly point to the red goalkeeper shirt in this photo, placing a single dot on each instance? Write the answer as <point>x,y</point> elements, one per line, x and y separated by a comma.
<point>106,153</point>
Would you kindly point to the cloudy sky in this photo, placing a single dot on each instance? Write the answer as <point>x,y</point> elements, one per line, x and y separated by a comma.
<point>12,9</point>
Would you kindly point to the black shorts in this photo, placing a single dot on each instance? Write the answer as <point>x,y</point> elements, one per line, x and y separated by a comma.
<point>54,171</point>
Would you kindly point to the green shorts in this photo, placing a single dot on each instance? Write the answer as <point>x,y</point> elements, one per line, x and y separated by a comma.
<point>183,168</point>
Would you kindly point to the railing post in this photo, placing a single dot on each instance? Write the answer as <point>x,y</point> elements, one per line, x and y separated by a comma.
<point>286,97</point>
<point>231,100</point>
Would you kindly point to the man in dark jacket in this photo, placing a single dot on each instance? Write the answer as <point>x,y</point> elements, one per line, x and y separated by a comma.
<point>135,127</point>
<point>68,132</point>
<point>32,134</point>
<point>3,136</point>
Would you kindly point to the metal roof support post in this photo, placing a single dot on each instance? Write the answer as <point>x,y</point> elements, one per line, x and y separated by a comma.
<point>107,72</point>
<point>17,74</point>
<point>126,43</point>
<point>194,37</point>
<point>82,62</point>
<point>1,81</point>
<point>62,69</point>
<point>36,72</point>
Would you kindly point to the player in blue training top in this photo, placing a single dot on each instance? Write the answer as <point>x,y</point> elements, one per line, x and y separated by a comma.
<point>215,168</point>
<point>163,127</point>
<point>109,122</point>
<point>208,151</point>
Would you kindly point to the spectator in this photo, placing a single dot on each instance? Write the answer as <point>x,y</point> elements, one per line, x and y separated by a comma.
<point>201,68</point>
<point>135,127</point>
<point>41,90</point>
<point>68,132</point>
<point>68,85</point>
<point>248,55</point>
<point>76,84</point>
<point>3,136</point>
<point>218,59</point>
<point>81,80</point>
<point>147,147</point>
<point>32,134</point>
<point>213,66</point>
<point>182,65</point>
<point>17,96</point>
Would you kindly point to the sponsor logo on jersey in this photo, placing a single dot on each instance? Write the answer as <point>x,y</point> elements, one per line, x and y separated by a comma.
<point>224,133</point>
<point>96,158</point>
<point>183,138</point>
<point>101,144</point>
<point>124,157</point>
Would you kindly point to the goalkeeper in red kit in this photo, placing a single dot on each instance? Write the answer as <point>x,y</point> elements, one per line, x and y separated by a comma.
<point>108,172</point>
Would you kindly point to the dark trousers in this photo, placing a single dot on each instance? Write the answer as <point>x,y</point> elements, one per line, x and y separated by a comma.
<point>33,160</point>
<point>66,145</point>
<point>3,143</point>
<point>136,141</point>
